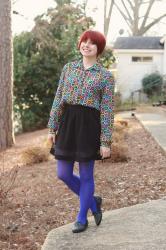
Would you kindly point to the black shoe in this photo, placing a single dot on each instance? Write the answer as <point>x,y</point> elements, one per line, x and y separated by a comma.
<point>79,227</point>
<point>98,215</point>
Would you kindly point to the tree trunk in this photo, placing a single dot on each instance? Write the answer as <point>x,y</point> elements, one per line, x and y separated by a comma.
<point>135,29</point>
<point>6,76</point>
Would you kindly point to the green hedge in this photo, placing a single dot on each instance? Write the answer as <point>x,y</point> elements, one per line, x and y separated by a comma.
<point>152,84</point>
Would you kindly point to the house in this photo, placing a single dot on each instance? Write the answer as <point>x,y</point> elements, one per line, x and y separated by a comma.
<point>137,56</point>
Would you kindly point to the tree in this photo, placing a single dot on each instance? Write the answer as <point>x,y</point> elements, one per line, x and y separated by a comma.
<point>6,86</point>
<point>39,57</point>
<point>130,11</point>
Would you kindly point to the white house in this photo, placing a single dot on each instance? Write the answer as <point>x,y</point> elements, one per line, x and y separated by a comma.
<point>137,56</point>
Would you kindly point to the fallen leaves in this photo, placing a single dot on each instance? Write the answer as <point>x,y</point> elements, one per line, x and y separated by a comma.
<point>42,202</point>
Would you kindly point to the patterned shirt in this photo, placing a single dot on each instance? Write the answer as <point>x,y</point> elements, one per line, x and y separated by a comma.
<point>93,87</point>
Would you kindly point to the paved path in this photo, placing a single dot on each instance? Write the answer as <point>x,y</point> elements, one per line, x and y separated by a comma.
<point>139,227</point>
<point>155,124</point>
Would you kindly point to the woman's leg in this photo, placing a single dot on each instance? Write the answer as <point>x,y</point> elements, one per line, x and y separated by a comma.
<point>87,188</point>
<point>65,173</point>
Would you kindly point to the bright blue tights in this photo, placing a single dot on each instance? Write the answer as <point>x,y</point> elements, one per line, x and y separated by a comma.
<point>83,185</point>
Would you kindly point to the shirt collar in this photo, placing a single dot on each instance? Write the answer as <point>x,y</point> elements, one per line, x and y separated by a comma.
<point>96,66</point>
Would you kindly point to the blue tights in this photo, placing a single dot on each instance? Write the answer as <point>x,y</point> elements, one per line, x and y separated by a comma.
<point>82,185</point>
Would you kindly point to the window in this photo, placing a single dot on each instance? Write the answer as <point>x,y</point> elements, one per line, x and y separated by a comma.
<point>142,58</point>
<point>136,59</point>
<point>147,59</point>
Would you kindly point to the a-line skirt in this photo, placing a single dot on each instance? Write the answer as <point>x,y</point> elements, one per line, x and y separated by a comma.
<point>78,136</point>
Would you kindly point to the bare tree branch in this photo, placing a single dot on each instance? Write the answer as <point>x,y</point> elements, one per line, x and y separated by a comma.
<point>110,9</point>
<point>14,1</point>
<point>105,16</point>
<point>123,15</point>
<point>128,13</point>
<point>129,10</point>
<point>145,2</point>
<point>151,24</point>
<point>131,5</point>
<point>147,13</point>
<point>85,2</point>
<point>131,16</point>
<point>121,12</point>
<point>107,19</point>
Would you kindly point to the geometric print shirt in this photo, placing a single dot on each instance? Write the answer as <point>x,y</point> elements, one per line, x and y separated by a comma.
<point>92,87</point>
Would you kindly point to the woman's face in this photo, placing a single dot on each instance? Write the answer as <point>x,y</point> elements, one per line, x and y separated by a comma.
<point>88,48</point>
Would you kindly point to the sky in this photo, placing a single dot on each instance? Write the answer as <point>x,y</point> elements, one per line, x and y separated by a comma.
<point>30,10</point>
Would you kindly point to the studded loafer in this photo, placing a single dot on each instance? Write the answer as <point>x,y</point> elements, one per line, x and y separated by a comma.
<point>98,215</point>
<point>79,227</point>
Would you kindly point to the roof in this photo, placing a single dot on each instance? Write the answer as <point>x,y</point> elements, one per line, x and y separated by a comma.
<point>138,42</point>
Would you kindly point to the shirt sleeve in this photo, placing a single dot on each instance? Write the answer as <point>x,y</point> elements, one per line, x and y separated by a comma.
<point>56,110</point>
<point>107,110</point>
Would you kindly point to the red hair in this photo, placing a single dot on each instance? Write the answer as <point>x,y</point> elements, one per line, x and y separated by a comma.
<point>96,37</point>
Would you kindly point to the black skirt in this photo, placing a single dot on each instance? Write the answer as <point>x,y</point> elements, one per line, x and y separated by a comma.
<point>78,136</point>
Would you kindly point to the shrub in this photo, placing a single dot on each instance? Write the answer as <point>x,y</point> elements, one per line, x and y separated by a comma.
<point>7,182</point>
<point>34,154</point>
<point>119,152</point>
<point>107,58</point>
<point>119,148</point>
<point>152,84</point>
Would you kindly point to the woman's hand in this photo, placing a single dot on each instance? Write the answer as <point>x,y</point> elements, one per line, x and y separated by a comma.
<point>105,152</point>
<point>51,138</point>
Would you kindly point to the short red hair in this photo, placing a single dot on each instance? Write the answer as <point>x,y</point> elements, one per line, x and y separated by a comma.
<point>96,37</point>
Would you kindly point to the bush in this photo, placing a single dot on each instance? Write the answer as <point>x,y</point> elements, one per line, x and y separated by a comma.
<point>119,148</point>
<point>152,84</point>
<point>7,182</point>
<point>107,58</point>
<point>34,154</point>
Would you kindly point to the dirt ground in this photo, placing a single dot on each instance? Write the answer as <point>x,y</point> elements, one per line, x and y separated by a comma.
<point>40,202</point>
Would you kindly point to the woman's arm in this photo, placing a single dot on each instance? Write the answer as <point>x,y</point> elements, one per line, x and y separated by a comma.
<point>56,109</point>
<point>107,109</point>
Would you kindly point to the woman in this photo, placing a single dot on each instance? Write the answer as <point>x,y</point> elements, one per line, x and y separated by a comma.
<point>82,119</point>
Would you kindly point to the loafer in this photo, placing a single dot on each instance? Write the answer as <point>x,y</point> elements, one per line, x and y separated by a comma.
<point>98,215</point>
<point>79,227</point>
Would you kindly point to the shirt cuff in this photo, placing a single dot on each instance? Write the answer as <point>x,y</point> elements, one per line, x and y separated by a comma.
<point>105,144</point>
<point>51,131</point>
